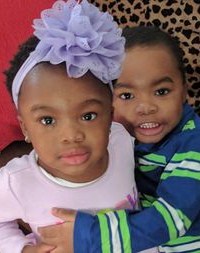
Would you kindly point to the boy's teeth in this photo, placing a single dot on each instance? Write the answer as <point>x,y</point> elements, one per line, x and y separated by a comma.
<point>149,125</point>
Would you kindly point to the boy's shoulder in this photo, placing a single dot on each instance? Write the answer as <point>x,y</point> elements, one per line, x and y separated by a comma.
<point>185,138</point>
<point>188,126</point>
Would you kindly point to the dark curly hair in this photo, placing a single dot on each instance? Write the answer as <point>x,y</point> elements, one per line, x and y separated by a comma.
<point>19,58</point>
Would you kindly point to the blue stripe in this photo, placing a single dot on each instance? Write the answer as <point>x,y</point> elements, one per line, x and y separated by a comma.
<point>120,234</point>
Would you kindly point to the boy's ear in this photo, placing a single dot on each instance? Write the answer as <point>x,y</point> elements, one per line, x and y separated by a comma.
<point>185,92</point>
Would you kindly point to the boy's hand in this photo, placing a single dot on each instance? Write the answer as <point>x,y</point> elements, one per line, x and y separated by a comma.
<point>40,248</point>
<point>60,235</point>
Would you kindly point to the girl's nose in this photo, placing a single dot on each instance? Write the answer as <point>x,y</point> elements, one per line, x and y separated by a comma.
<point>72,133</point>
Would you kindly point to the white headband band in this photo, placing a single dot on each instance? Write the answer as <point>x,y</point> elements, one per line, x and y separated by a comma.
<point>80,35</point>
<point>23,71</point>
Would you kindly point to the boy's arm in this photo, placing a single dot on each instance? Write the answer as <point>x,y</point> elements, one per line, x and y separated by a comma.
<point>60,235</point>
<point>169,217</point>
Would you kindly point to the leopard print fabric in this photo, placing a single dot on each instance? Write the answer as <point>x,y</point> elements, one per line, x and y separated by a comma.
<point>181,18</point>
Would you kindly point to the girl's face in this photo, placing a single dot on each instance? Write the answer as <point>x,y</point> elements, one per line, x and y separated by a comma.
<point>68,122</point>
<point>149,95</point>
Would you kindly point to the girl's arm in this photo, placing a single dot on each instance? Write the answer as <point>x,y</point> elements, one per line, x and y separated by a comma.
<point>12,238</point>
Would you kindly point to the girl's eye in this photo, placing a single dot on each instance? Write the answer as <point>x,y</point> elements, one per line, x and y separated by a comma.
<point>47,120</point>
<point>162,92</point>
<point>126,96</point>
<point>89,116</point>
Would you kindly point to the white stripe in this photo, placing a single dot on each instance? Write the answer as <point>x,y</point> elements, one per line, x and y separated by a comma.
<point>181,248</point>
<point>189,165</point>
<point>177,220</point>
<point>116,243</point>
<point>145,162</point>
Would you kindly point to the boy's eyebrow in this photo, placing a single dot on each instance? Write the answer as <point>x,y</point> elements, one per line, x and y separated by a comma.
<point>165,79</point>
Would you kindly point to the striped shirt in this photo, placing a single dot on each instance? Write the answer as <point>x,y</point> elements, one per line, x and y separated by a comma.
<point>168,178</point>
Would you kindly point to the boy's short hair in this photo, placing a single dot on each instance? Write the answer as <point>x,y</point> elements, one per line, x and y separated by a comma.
<point>152,36</point>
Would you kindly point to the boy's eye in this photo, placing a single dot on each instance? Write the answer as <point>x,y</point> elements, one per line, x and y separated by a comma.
<point>89,116</point>
<point>47,120</point>
<point>162,92</point>
<point>126,96</point>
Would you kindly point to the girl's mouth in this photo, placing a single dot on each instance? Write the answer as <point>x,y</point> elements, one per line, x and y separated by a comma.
<point>75,157</point>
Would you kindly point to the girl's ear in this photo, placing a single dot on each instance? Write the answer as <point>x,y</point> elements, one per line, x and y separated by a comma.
<point>23,128</point>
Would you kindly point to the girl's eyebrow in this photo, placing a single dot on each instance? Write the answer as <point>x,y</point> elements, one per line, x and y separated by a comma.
<point>121,85</point>
<point>92,101</point>
<point>39,107</point>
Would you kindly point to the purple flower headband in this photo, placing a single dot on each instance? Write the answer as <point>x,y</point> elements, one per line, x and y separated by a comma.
<point>79,34</point>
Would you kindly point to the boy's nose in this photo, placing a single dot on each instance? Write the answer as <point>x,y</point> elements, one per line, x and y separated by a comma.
<point>146,108</point>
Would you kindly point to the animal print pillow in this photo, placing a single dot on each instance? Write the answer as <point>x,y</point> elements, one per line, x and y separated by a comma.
<point>178,17</point>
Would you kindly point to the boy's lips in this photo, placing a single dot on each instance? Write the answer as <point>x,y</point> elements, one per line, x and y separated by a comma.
<point>149,128</point>
<point>149,125</point>
<point>75,157</point>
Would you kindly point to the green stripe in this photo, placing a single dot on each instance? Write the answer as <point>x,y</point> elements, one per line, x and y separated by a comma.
<point>124,231</point>
<point>165,175</point>
<point>183,240</point>
<point>189,125</point>
<point>186,174</point>
<point>168,219</point>
<point>105,237</point>
<point>145,203</point>
<point>155,158</point>
<point>195,156</point>
<point>146,168</point>
<point>187,222</point>
<point>181,173</point>
<point>146,200</point>
<point>149,198</point>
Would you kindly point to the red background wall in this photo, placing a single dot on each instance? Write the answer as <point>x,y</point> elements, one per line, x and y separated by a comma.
<point>15,27</point>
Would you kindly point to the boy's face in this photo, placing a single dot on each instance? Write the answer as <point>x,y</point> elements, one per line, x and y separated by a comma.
<point>149,95</point>
<point>68,122</point>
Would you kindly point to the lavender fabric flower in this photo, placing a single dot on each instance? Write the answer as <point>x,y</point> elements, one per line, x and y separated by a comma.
<point>83,37</point>
<point>80,35</point>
